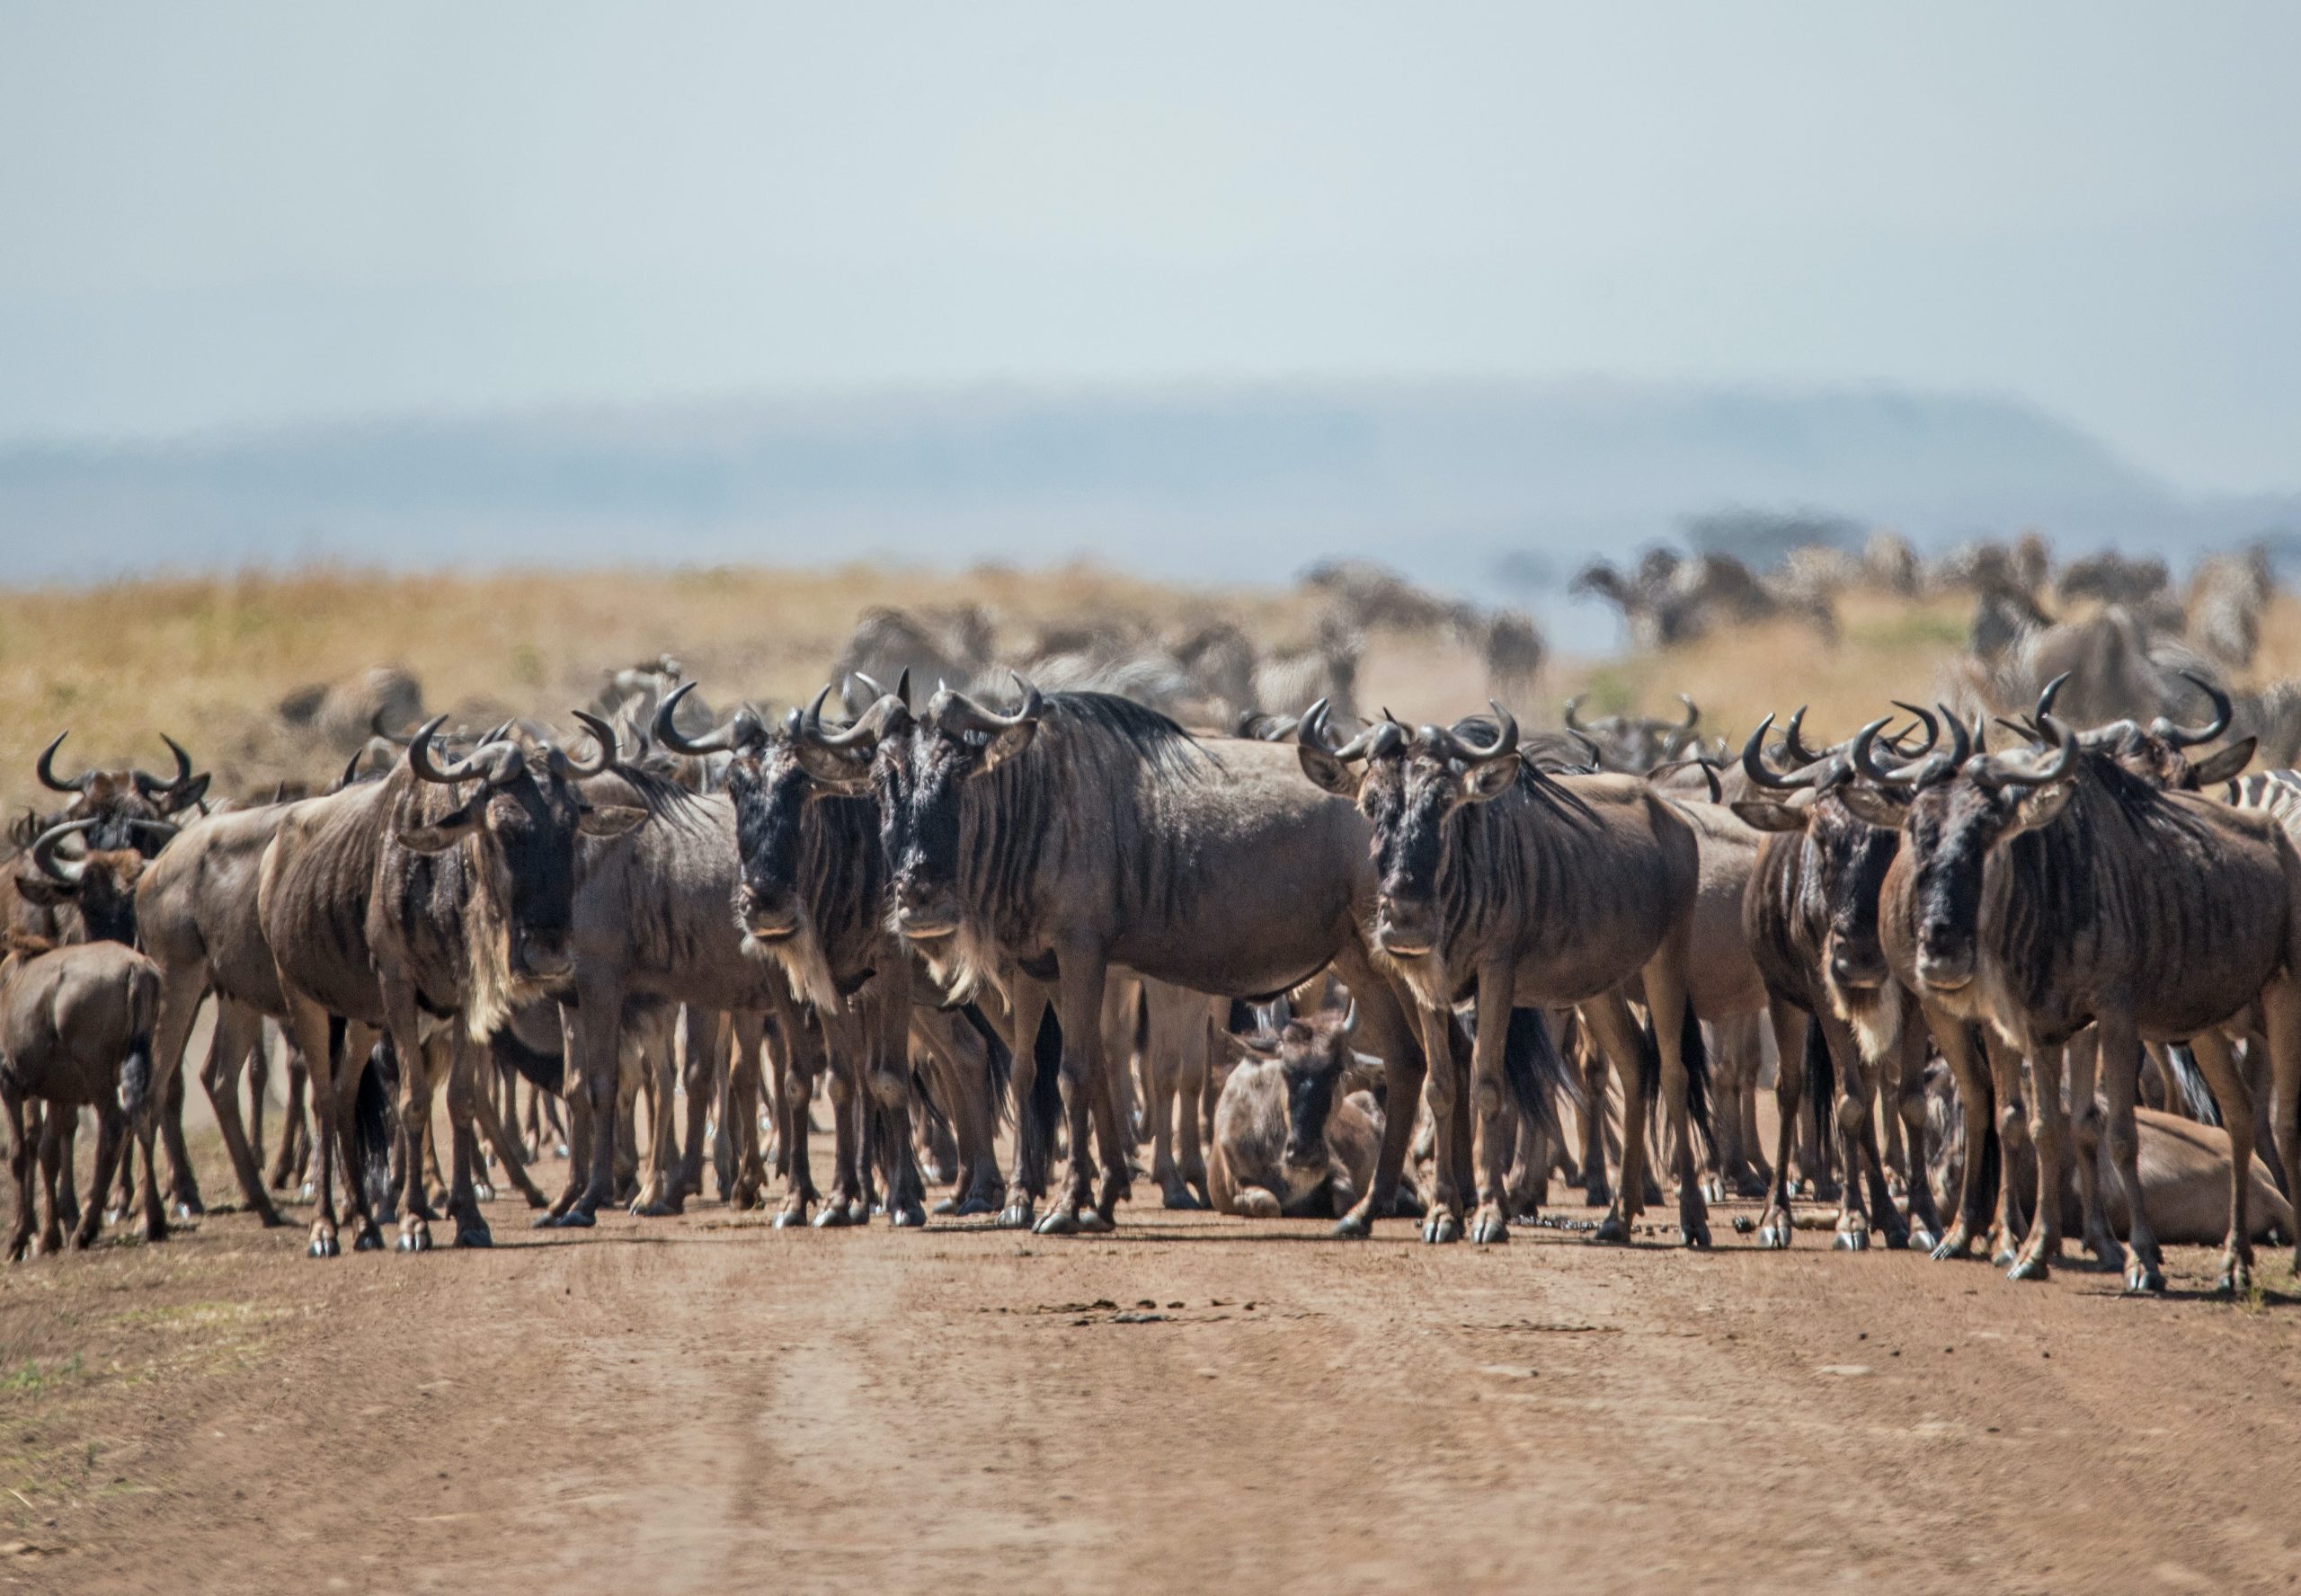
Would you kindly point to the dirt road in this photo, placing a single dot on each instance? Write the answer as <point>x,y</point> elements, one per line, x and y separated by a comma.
<point>1195,1403</point>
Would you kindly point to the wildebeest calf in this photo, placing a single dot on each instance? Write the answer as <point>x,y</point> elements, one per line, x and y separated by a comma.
<point>75,1030</point>
<point>1296,1131</point>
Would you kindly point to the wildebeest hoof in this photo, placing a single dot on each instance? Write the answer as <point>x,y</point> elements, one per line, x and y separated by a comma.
<point>1094,1221</point>
<point>182,1209</point>
<point>2236,1278</point>
<point>907,1216</point>
<point>1057,1223</point>
<point>1442,1228</point>
<point>972,1206</point>
<point>474,1236</point>
<point>1181,1199</point>
<point>577,1218</point>
<point>1714,1189</point>
<point>1613,1230</point>
<point>1490,1230</point>
<point>324,1245</point>
<point>833,1215</point>
<point>1015,1216</point>
<point>483,1191</point>
<point>1851,1241</point>
<point>1958,1244</point>
<point>112,1216</point>
<point>662,1207</point>
<point>1352,1227</point>
<point>414,1236</point>
<point>2142,1279</point>
<point>944,1207</point>
<point>2030,1266</point>
<point>789,1218</point>
<point>367,1239</point>
<point>304,1191</point>
<point>559,1150</point>
<point>1921,1239</point>
<point>1696,1235</point>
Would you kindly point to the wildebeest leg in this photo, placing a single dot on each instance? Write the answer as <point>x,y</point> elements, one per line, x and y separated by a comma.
<point>2144,1267</point>
<point>1673,1017</point>
<point>1857,1132</point>
<point>2049,1130</point>
<point>2281,1017</point>
<point>1032,1139</point>
<point>1385,1031</point>
<point>802,1063</point>
<point>1788,1021</point>
<point>706,1067</point>
<point>66,1122</point>
<point>307,1026</point>
<point>2083,1061</point>
<point>1597,1090</point>
<point>1955,1041</point>
<point>112,1136</point>
<point>1193,1062</point>
<point>295,1132</point>
<point>239,1031</point>
<point>1608,1021</point>
<point>2226,1077</point>
<point>57,1176</point>
<point>740,1118</point>
<point>1443,1091</point>
<point>1909,1108</point>
<point>20,1158</point>
<point>594,1047</point>
<point>1496,1130</point>
<point>420,1066</point>
<point>499,1134</point>
<point>2013,1095</point>
<point>466,1100</point>
<point>1079,1005</point>
<point>183,1183</point>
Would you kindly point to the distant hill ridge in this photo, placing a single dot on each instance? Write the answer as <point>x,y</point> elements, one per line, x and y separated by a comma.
<point>1245,482</point>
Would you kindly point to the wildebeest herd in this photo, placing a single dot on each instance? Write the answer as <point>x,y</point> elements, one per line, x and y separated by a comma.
<point>1388,969</point>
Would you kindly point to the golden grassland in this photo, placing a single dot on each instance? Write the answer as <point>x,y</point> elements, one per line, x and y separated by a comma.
<point>208,659</point>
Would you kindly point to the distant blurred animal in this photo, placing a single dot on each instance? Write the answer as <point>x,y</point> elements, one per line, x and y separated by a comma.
<point>345,714</point>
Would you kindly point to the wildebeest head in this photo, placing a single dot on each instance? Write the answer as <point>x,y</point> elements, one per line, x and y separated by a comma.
<point>523,819</point>
<point>2158,754</point>
<point>1411,789</point>
<point>100,883</point>
<point>1320,1070</point>
<point>1636,743</point>
<point>923,779</point>
<point>1845,857</point>
<point>114,801</point>
<point>1951,811</point>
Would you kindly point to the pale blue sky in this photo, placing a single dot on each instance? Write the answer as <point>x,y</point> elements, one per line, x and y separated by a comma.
<point>229,215</point>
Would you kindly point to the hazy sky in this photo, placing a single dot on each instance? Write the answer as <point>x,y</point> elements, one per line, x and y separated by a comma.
<point>221,215</point>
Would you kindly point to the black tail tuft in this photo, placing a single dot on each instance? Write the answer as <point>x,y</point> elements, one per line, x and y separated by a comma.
<point>1000,1063</point>
<point>1821,1072</point>
<point>1035,1134</point>
<point>1535,1071</point>
<point>135,1079</point>
<point>1693,1051</point>
<point>372,1133</point>
<point>2189,1081</point>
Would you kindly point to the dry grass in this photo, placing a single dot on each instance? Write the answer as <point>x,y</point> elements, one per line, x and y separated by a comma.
<point>209,659</point>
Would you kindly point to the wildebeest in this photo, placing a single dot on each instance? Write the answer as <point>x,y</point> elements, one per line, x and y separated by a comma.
<point>75,1030</point>
<point>444,892</point>
<point>2042,893</point>
<point>1296,1127</point>
<point>1041,846</point>
<point>1514,887</point>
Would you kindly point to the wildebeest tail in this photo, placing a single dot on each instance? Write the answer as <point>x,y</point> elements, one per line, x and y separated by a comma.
<point>371,1125</point>
<point>1821,1071</point>
<point>1535,1071</point>
<point>2189,1081</point>
<point>1000,1064</point>
<point>1036,1133</point>
<point>136,1077</point>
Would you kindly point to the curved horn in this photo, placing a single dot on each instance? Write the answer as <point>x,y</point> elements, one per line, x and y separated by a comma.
<point>1754,763</point>
<point>47,769</point>
<point>611,751</point>
<point>1961,743</point>
<point>1572,705</point>
<point>1381,737</point>
<point>152,786</point>
<point>863,735</point>
<point>1800,754</point>
<point>2065,760</point>
<point>743,729</point>
<point>1442,740</point>
<point>351,767</point>
<point>1865,757</point>
<point>2045,700</point>
<point>1933,728</point>
<point>163,829</point>
<point>43,851</point>
<point>960,713</point>
<point>1694,712</point>
<point>2186,736</point>
<point>489,760</point>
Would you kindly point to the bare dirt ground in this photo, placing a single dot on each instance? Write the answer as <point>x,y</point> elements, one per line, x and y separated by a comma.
<point>1193,1403</point>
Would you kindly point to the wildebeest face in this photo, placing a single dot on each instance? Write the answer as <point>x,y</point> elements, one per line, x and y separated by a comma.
<point>925,805</point>
<point>1412,800</point>
<point>1843,873</point>
<point>100,884</point>
<point>770,791</point>
<point>1952,830</point>
<point>525,820</point>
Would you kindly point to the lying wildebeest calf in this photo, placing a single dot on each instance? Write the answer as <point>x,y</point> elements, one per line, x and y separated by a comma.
<point>2185,1175</point>
<point>75,1030</point>
<point>1296,1129</point>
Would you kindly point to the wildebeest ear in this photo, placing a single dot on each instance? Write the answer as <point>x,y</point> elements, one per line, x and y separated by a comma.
<point>1004,746</point>
<point>444,833</point>
<point>1264,1047</point>
<point>1867,803</point>
<point>1769,814</point>
<point>610,819</point>
<point>191,795</point>
<point>1336,776</point>
<point>1364,1073</point>
<point>1490,778</point>
<point>2039,805</point>
<point>38,887</point>
<point>2225,765</point>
